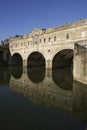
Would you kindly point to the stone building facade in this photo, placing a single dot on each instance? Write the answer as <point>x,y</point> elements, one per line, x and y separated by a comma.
<point>52,43</point>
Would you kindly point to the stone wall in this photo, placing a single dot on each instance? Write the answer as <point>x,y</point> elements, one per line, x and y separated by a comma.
<point>80,62</point>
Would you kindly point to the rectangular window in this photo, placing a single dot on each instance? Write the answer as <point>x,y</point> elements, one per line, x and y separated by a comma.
<point>49,39</point>
<point>67,36</point>
<point>28,42</point>
<point>40,40</point>
<point>54,38</point>
<point>44,40</point>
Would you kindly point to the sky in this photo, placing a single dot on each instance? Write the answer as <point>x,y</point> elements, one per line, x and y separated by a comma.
<point>22,16</point>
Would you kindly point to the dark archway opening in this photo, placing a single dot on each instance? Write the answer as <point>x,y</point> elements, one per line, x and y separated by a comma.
<point>63,58</point>
<point>16,63</point>
<point>36,59</point>
<point>16,60</point>
<point>62,65</point>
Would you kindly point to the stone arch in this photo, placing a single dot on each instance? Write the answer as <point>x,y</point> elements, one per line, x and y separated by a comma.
<point>36,59</point>
<point>63,58</point>
<point>16,60</point>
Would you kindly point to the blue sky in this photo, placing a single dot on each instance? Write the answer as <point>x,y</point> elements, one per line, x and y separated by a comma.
<point>22,16</point>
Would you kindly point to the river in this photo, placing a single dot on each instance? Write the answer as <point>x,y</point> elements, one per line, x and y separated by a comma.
<point>39,99</point>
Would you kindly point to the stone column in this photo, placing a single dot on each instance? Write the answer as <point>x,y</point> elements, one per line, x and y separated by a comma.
<point>48,64</point>
<point>24,63</point>
<point>49,73</point>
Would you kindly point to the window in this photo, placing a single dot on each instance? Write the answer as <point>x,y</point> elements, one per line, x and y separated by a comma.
<point>44,40</point>
<point>67,36</point>
<point>55,38</point>
<point>49,39</point>
<point>40,40</point>
<point>28,42</point>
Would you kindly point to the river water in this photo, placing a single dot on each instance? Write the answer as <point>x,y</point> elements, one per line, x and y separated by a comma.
<point>39,99</point>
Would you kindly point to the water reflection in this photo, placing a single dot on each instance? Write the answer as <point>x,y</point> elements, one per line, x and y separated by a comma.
<point>63,78</point>
<point>42,90</point>
<point>80,100</point>
<point>50,89</point>
<point>46,88</point>
<point>36,75</point>
<point>5,76</point>
<point>16,71</point>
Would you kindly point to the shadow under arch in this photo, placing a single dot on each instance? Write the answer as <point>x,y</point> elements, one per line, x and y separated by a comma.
<point>16,71</point>
<point>63,58</point>
<point>62,66</point>
<point>36,74</point>
<point>16,65</point>
<point>16,60</point>
<point>35,59</point>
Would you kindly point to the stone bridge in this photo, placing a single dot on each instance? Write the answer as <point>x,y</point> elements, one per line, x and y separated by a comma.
<point>52,47</point>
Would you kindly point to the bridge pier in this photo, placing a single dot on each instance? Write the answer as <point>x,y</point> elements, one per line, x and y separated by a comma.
<point>24,63</point>
<point>48,64</point>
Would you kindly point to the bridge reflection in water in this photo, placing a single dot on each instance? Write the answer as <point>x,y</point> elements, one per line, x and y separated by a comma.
<point>55,89</point>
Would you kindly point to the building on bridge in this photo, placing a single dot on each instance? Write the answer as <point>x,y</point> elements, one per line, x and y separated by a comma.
<point>52,47</point>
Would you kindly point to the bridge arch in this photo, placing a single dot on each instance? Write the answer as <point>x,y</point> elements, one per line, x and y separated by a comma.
<point>16,60</point>
<point>63,58</point>
<point>35,59</point>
